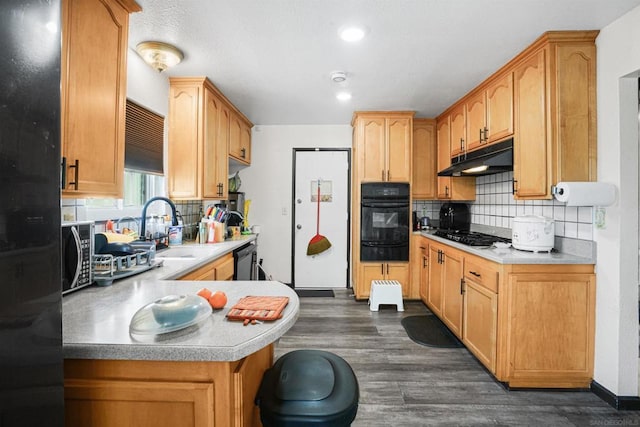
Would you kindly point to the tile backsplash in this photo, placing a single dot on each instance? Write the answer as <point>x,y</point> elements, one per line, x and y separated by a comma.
<point>495,206</point>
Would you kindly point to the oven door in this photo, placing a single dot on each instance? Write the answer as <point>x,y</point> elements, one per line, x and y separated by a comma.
<point>384,231</point>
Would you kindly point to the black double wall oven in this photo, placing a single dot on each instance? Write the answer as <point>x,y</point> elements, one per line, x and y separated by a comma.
<point>384,221</point>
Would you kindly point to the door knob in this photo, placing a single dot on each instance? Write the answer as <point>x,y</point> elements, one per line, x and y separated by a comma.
<point>299,226</point>
<point>299,201</point>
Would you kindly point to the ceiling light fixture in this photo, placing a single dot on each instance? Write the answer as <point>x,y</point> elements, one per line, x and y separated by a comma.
<point>159,55</point>
<point>352,34</point>
<point>343,96</point>
<point>338,76</point>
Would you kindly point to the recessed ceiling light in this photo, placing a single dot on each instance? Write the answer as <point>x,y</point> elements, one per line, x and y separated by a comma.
<point>338,76</point>
<point>343,96</point>
<point>352,34</point>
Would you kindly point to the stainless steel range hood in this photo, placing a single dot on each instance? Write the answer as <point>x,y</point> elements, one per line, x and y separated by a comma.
<point>495,158</point>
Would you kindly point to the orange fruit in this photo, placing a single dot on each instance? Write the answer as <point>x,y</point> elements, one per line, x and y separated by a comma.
<point>204,293</point>
<point>218,299</point>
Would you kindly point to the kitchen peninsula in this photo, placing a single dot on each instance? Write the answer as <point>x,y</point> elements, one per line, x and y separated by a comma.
<point>204,375</point>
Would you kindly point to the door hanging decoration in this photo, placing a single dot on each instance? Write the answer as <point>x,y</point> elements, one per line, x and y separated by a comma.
<point>319,243</point>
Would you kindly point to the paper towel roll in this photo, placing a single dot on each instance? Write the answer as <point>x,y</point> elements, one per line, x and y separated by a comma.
<point>585,193</point>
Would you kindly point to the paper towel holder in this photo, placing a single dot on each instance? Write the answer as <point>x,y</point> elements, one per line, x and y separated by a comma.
<point>555,190</point>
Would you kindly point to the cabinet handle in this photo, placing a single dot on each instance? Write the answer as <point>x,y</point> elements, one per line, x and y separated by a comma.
<point>446,191</point>
<point>63,173</point>
<point>461,144</point>
<point>76,166</point>
<point>388,175</point>
<point>220,189</point>
<point>425,262</point>
<point>382,269</point>
<point>486,131</point>
<point>476,274</point>
<point>513,186</point>
<point>387,269</point>
<point>382,171</point>
<point>243,153</point>
<point>461,286</point>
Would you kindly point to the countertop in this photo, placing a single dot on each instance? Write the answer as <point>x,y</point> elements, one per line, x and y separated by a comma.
<point>96,319</point>
<point>511,255</point>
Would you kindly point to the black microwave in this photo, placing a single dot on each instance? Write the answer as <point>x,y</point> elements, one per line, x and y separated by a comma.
<point>77,253</point>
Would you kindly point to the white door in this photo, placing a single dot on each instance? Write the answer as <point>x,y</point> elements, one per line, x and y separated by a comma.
<point>327,269</point>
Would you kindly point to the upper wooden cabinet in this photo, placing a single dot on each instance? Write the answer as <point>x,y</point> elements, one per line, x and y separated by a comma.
<point>240,139</point>
<point>424,183</point>
<point>490,113</point>
<point>93,96</point>
<point>383,143</point>
<point>555,113</point>
<point>202,122</point>
<point>450,188</point>
<point>458,131</point>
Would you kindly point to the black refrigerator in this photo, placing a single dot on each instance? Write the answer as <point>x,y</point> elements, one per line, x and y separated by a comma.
<point>31,360</point>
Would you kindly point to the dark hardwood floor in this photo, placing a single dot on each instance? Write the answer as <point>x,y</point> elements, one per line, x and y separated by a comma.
<point>405,384</point>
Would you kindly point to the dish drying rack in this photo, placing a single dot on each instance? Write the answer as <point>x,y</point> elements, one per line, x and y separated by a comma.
<point>107,268</point>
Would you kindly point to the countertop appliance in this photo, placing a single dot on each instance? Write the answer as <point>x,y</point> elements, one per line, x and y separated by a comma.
<point>30,297</point>
<point>533,233</point>
<point>384,221</point>
<point>77,254</point>
<point>455,216</point>
<point>245,260</point>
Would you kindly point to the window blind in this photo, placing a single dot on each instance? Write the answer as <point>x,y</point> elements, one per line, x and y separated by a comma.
<point>144,139</point>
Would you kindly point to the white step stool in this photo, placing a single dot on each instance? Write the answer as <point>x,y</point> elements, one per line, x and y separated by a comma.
<point>385,292</point>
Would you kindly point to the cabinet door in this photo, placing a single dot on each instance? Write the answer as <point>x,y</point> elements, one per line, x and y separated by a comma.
<point>476,120</point>
<point>245,142</point>
<point>399,271</point>
<point>416,266</point>
<point>480,323</point>
<point>224,267</point>
<point>434,297</point>
<point>499,123</point>
<point>458,131</point>
<point>215,180</point>
<point>551,328</point>
<point>423,183</point>
<point>398,150</point>
<point>368,273</point>
<point>443,136</point>
<point>184,146</point>
<point>424,272</point>
<point>452,292</point>
<point>531,154</point>
<point>371,149</point>
<point>93,91</point>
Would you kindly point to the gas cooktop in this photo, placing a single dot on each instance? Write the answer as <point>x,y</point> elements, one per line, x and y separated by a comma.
<point>471,238</point>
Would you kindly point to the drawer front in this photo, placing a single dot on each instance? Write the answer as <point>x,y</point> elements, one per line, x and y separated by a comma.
<point>224,270</point>
<point>481,274</point>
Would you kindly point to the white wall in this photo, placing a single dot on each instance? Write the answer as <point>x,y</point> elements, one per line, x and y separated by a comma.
<point>268,184</point>
<point>616,358</point>
<point>145,86</point>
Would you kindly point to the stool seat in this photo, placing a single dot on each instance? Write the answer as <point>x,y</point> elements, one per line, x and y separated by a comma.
<point>308,388</point>
<point>385,292</point>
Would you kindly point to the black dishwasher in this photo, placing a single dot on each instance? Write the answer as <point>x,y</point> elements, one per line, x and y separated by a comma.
<point>245,259</point>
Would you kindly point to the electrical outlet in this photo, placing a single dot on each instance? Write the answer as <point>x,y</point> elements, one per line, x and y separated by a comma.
<point>600,218</point>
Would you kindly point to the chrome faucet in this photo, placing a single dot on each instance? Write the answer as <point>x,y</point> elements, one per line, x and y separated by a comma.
<point>143,220</point>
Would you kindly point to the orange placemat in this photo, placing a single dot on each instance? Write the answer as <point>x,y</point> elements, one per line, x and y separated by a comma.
<point>258,308</point>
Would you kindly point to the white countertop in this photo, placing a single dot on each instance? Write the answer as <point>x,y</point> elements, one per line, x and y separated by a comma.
<point>96,319</point>
<point>511,255</point>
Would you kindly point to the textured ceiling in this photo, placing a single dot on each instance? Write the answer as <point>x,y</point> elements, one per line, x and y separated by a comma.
<point>273,58</point>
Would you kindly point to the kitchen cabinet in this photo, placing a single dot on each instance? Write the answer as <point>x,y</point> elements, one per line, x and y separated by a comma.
<point>419,246</point>
<point>369,271</point>
<point>490,112</point>
<point>240,140</point>
<point>445,278</point>
<point>424,168</point>
<point>458,130</point>
<point>480,310</point>
<point>530,325</point>
<point>105,393</point>
<point>93,96</point>
<point>448,187</point>
<point>220,269</point>
<point>555,113</point>
<point>423,265</point>
<point>383,141</point>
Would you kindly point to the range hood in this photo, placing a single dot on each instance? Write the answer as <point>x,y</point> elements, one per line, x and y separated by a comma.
<point>494,158</point>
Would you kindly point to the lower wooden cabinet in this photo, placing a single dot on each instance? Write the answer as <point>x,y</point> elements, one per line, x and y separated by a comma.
<point>382,271</point>
<point>220,269</point>
<point>531,325</point>
<point>114,393</point>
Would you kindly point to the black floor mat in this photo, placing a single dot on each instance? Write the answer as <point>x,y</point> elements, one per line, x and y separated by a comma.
<point>315,293</point>
<point>430,331</point>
